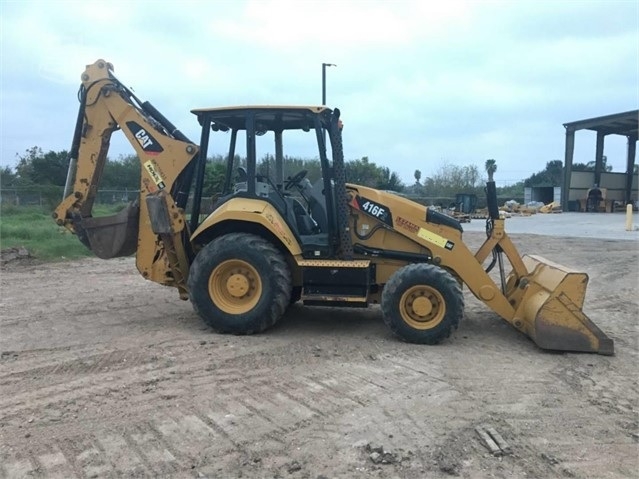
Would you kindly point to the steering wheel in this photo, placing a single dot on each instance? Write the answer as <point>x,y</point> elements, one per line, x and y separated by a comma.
<point>295,180</point>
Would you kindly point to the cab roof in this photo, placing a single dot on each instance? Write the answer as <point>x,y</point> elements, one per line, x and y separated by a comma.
<point>267,117</point>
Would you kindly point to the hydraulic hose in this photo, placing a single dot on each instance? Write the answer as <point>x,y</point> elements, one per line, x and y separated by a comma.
<point>75,143</point>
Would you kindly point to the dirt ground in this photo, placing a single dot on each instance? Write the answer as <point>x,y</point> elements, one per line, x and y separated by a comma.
<point>104,374</point>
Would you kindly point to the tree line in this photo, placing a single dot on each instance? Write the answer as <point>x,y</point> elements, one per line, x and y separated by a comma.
<point>35,168</point>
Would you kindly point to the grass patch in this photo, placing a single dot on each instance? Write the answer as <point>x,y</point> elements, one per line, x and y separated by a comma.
<point>33,228</point>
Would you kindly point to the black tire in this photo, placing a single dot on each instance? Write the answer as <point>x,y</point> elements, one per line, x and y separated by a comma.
<point>422,303</point>
<point>240,284</point>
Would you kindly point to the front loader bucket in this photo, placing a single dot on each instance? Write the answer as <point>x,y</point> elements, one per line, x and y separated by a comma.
<point>110,236</point>
<point>551,310</point>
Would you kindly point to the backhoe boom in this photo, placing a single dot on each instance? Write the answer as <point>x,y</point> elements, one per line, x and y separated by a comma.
<point>167,160</point>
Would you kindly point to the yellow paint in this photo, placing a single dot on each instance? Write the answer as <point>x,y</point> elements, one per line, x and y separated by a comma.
<point>235,286</point>
<point>252,211</point>
<point>422,307</point>
<point>333,263</point>
<point>432,237</point>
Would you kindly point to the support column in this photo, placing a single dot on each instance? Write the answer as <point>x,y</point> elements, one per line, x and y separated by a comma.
<point>279,161</point>
<point>570,149</point>
<point>599,157</point>
<point>630,166</point>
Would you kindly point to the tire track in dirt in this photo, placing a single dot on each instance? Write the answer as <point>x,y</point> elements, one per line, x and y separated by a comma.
<point>88,365</point>
<point>307,391</point>
<point>246,406</point>
<point>88,386</point>
<point>610,392</point>
<point>101,374</point>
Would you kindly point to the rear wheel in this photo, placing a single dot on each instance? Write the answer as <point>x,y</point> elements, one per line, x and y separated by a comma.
<point>422,303</point>
<point>240,283</point>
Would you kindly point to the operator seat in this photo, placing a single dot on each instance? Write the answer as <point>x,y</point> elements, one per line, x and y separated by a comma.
<point>317,204</point>
<point>294,213</point>
<point>305,224</point>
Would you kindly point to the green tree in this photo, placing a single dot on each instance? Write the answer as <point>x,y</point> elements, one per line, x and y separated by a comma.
<point>38,168</point>
<point>121,173</point>
<point>291,166</point>
<point>418,176</point>
<point>581,167</point>
<point>552,175</point>
<point>604,165</point>
<point>512,191</point>
<point>7,177</point>
<point>362,172</point>
<point>452,179</point>
<point>491,168</point>
<point>214,177</point>
<point>367,173</point>
<point>389,180</point>
<point>590,166</point>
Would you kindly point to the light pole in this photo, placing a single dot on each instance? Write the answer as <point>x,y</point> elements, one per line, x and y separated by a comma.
<point>324,65</point>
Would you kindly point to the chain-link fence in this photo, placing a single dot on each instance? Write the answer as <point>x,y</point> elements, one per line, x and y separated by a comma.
<point>451,202</point>
<point>50,196</point>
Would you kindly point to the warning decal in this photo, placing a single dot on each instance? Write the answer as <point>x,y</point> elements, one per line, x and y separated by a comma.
<point>435,239</point>
<point>153,173</point>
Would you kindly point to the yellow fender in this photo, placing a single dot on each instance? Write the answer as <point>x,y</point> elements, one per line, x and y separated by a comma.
<point>252,211</point>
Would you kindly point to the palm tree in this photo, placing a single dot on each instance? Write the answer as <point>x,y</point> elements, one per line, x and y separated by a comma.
<point>491,167</point>
<point>418,176</point>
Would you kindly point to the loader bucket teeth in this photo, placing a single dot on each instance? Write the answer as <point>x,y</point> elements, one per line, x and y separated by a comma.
<point>551,310</point>
<point>110,236</point>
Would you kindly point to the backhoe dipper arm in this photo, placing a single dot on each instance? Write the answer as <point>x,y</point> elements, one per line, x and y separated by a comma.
<point>167,164</point>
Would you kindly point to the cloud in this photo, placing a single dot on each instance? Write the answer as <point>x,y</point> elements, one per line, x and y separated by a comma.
<point>418,82</point>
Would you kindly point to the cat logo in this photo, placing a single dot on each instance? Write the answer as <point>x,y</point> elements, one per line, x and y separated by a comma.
<point>145,139</point>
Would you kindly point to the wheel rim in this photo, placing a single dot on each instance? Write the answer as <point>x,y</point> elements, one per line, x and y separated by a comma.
<point>235,286</point>
<point>422,307</point>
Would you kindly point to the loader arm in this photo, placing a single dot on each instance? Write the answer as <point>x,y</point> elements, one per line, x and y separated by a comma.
<point>154,226</point>
<point>538,297</point>
<point>542,299</point>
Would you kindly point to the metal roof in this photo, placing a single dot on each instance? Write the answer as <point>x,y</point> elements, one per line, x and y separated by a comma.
<point>244,108</point>
<point>618,124</point>
<point>267,117</point>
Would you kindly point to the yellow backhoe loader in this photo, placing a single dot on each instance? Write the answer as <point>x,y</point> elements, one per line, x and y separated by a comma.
<point>265,243</point>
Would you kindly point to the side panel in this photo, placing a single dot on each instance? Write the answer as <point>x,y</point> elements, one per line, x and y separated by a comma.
<point>442,241</point>
<point>252,211</point>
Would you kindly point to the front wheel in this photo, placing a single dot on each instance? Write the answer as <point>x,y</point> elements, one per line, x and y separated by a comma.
<point>422,303</point>
<point>240,284</point>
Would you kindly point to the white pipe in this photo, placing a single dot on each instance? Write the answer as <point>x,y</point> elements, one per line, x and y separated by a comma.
<point>628,217</point>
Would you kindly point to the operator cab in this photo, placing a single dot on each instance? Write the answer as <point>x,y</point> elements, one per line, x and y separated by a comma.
<point>259,167</point>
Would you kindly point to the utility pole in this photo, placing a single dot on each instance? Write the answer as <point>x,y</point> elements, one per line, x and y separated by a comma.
<point>324,65</point>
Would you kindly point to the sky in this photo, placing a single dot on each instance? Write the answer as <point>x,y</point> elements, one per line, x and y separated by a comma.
<point>420,84</point>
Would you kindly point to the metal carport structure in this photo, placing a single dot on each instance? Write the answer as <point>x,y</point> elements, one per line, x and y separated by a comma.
<point>626,124</point>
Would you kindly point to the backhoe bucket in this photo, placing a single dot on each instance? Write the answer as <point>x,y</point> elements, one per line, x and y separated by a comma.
<point>110,236</point>
<point>551,310</point>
